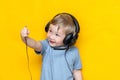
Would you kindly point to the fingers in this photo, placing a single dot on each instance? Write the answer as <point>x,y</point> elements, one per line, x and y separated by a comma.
<point>25,32</point>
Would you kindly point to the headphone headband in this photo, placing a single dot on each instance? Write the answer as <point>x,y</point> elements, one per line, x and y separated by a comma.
<point>77,27</point>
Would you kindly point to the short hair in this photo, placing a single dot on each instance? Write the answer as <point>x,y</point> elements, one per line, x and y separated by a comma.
<point>65,21</point>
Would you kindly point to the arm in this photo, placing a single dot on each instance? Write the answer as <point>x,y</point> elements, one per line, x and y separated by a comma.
<point>30,42</point>
<point>77,74</point>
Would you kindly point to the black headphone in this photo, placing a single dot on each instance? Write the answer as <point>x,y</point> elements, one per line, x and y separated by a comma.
<point>70,38</point>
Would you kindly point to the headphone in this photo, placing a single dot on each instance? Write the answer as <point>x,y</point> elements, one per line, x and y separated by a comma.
<point>69,38</point>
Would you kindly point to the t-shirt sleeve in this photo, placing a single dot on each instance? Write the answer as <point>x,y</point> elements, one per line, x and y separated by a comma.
<point>77,63</point>
<point>44,44</point>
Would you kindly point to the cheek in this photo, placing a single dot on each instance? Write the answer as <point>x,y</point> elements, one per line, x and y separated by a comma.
<point>60,40</point>
<point>48,35</point>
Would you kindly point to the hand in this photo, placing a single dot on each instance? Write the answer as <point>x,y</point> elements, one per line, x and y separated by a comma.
<point>25,32</point>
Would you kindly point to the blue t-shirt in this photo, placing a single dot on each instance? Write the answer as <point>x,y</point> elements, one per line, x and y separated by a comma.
<point>54,65</point>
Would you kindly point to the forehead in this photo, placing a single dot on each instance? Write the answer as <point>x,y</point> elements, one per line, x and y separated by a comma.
<point>58,29</point>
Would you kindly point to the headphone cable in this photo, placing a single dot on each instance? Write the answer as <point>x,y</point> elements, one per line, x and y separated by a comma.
<point>28,58</point>
<point>68,63</point>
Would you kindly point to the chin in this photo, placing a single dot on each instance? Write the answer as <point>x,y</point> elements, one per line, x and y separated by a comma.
<point>52,45</point>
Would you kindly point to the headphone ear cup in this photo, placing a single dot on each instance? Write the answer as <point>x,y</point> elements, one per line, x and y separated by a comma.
<point>47,27</point>
<point>74,39</point>
<point>68,38</point>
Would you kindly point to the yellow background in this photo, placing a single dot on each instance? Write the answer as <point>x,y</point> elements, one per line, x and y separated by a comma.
<point>99,41</point>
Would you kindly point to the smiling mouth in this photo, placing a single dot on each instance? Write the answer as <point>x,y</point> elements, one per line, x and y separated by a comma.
<point>52,42</point>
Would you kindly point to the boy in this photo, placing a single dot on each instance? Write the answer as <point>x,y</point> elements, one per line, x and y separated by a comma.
<point>61,59</point>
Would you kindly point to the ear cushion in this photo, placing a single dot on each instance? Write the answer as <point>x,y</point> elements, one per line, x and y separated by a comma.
<point>47,27</point>
<point>68,38</point>
<point>74,39</point>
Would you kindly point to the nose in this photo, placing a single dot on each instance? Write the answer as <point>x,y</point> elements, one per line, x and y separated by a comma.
<point>52,36</point>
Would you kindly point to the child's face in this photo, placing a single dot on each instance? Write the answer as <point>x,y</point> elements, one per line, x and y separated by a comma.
<point>55,35</point>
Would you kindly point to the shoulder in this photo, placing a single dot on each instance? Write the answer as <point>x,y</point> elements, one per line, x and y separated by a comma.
<point>75,52</point>
<point>44,41</point>
<point>45,45</point>
<point>73,49</point>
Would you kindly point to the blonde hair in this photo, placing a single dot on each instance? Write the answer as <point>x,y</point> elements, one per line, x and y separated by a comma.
<point>65,21</point>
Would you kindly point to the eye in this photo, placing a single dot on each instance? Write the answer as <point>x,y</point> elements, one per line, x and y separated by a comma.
<point>50,30</point>
<point>57,35</point>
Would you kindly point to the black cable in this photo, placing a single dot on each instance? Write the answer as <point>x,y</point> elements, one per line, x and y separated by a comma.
<point>68,64</point>
<point>28,57</point>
